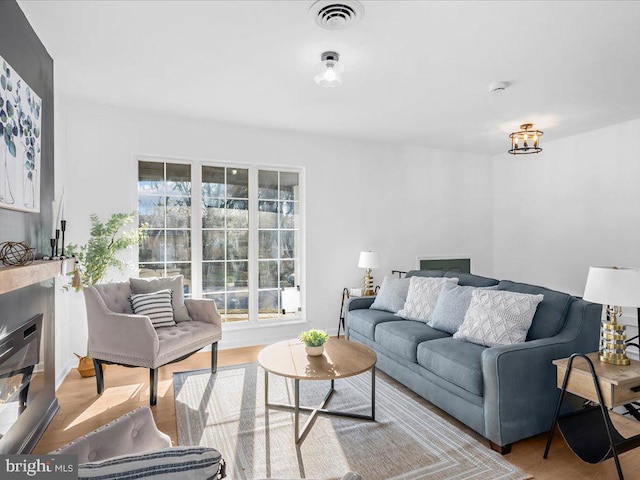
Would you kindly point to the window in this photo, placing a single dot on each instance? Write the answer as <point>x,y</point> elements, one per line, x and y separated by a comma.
<point>164,208</point>
<point>242,236</point>
<point>278,241</point>
<point>225,240</point>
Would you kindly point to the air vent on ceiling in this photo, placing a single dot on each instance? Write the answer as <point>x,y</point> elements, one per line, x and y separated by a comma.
<point>336,14</point>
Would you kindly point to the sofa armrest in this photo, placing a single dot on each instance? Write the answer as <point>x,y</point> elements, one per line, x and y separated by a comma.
<point>203,310</point>
<point>132,433</point>
<point>126,338</point>
<point>358,303</point>
<point>520,393</point>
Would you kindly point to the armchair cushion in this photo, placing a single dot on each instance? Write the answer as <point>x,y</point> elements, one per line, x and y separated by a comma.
<point>150,285</point>
<point>185,463</point>
<point>183,339</point>
<point>157,306</point>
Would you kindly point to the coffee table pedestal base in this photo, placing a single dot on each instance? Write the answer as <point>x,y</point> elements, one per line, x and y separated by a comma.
<point>300,435</point>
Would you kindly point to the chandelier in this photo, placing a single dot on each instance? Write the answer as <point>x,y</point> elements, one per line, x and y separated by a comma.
<point>526,140</point>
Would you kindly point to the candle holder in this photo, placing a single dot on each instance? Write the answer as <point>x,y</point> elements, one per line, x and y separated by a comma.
<point>57,238</point>
<point>53,247</point>
<point>63,227</point>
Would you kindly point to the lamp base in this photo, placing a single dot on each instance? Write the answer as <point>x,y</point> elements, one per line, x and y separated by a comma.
<point>613,343</point>
<point>619,359</point>
<point>367,291</point>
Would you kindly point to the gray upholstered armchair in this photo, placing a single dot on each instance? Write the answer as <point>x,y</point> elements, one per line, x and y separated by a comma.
<point>132,447</point>
<point>117,336</point>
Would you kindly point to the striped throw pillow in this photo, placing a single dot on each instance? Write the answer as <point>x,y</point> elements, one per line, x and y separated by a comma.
<point>158,306</point>
<point>184,463</point>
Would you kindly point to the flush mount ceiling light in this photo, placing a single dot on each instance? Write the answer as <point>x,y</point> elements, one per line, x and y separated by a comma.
<point>329,71</point>
<point>336,14</point>
<point>526,140</point>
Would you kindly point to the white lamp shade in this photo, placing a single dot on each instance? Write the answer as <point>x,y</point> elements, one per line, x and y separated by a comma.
<point>616,286</point>
<point>369,260</point>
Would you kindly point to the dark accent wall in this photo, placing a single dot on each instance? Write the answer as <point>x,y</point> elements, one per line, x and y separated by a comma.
<point>23,50</point>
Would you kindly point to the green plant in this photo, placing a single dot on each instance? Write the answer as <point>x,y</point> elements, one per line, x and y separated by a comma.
<point>106,240</point>
<point>314,338</point>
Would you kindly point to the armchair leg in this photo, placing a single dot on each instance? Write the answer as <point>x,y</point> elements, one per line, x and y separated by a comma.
<point>153,383</point>
<point>97,366</point>
<point>214,357</point>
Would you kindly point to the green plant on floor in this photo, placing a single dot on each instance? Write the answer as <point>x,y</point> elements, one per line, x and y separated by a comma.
<point>105,242</point>
<point>314,338</point>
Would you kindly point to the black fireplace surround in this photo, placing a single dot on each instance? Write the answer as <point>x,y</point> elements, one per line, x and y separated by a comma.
<point>19,357</point>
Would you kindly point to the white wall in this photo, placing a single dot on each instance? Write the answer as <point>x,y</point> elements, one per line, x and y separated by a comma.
<point>400,201</point>
<point>574,205</point>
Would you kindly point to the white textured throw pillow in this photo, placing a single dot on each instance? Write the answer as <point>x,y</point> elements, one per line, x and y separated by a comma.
<point>392,294</point>
<point>498,317</point>
<point>423,297</point>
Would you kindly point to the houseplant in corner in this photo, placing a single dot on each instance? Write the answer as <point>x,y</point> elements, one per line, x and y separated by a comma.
<point>314,341</point>
<point>94,258</point>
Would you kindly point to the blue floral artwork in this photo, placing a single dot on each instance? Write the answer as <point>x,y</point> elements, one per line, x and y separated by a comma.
<point>20,139</point>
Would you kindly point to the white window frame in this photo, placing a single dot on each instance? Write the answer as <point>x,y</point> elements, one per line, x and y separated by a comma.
<point>196,232</point>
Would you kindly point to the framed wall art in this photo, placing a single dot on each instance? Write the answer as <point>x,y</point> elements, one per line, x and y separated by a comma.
<point>20,142</point>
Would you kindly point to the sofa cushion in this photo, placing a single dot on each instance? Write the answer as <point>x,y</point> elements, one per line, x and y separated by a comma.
<point>364,321</point>
<point>551,312</point>
<point>453,303</point>
<point>456,361</point>
<point>469,280</point>
<point>402,337</point>
<point>422,297</point>
<point>498,317</point>
<point>392,294</point>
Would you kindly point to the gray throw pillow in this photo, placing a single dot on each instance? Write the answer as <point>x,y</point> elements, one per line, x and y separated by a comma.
<point>453,303</point>
<point>150,285</point>
<point>392,294</point>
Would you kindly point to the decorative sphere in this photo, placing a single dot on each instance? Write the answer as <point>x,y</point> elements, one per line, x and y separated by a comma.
<point>16,253</point>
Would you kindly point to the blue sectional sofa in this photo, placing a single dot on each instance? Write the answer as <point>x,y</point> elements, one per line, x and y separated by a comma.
<point>505,393</point>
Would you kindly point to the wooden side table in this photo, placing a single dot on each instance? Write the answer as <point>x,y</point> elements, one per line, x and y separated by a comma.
<point>589,432</point>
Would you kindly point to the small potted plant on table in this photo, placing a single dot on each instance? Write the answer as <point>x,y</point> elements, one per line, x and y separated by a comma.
<point>314,341</point>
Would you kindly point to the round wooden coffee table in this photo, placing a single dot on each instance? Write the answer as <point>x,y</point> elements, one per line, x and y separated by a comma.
<point>341,359</point>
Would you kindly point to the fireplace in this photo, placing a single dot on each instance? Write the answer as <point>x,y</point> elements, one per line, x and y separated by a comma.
<point>21,372</point>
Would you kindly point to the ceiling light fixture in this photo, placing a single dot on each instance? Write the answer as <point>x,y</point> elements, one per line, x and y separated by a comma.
<point>526,140</point>
<point>329,71</point>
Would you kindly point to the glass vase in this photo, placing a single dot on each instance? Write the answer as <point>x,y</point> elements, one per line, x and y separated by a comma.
<point>29,192</point>
<point>7,177</point>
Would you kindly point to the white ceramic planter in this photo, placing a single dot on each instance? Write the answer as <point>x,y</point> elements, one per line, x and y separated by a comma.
<point>314,351</point>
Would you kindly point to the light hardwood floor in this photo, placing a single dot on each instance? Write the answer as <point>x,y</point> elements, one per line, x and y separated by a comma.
<point>82,410</point>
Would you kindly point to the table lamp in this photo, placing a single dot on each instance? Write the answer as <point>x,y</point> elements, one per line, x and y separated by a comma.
<point>368,260</point>
<point>613,287</point>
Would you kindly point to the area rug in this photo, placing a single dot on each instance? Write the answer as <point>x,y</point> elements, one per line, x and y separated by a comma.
<point>407,441</point>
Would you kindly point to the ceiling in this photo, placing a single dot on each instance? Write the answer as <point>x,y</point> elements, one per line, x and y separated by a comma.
<point>417,72</point>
